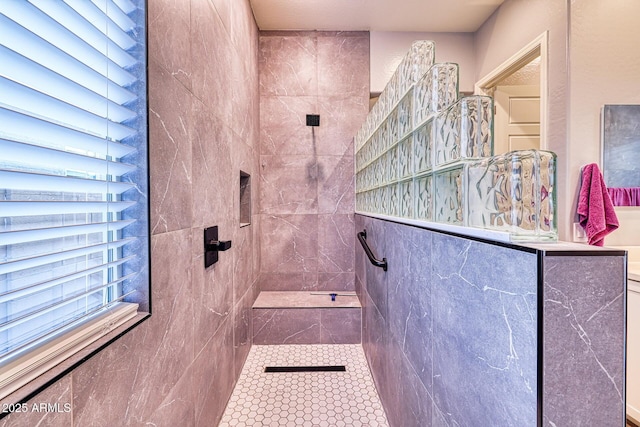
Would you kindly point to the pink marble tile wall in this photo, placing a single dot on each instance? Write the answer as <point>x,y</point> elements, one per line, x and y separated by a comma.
<point>307,174</point>
<point>179,367</point>
<point>307,326</point>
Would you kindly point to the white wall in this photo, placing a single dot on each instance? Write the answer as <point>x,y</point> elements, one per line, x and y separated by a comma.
<point>604,69</point>
<point>388,48</point>
<point>527,75</point>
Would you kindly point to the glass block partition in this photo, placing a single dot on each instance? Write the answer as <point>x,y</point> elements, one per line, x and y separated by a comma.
<point>464,131</point>
<point>424,153</point>
<point>514,193</point>
<point>414,65</point>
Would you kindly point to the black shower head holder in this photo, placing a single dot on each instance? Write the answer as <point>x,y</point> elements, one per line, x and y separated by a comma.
<point>313,120</point>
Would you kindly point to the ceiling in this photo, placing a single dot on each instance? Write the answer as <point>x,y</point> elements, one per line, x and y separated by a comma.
<point>373,15</point>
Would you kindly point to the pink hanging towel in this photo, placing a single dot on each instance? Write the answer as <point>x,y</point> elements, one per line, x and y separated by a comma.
<point>595,209</point>
<point>625,196</point>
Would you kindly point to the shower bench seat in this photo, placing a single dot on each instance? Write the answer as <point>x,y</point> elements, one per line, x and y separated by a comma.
<point>303,317</point>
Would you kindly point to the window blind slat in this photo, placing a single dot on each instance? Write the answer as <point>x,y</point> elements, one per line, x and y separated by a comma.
<point>48,134</point>
<point>28,73</point>
<point>30,286</point>
<point>21,264</point>
<point>31,20</point>
<point>33,288</point>
<point>70,299</point>
<point>11,180</point>
<point>106,26</point>
<point>21,99</point>
<point>78,25</point>
<point>53,135</point>
<point>15,208</point>
<point>44,286</point>
<point>125,5</point>
<point>50,160</point>
<point>33,235</point>
<point>115,14</point>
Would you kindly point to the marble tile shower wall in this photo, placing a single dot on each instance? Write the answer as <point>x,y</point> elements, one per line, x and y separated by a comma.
<point>307,174</point>
<point>585,332</point>
<point>451,330</point>
<point>179,367</point>
<point>425,327</point>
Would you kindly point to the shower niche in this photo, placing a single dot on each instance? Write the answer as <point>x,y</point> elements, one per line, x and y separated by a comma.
<point>245,199</point>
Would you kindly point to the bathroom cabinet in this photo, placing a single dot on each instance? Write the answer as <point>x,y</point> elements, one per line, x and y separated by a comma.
<point>465,330</point>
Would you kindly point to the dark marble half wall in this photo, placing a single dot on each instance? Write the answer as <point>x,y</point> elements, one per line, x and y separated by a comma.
<point>484,333</point>
<point>451,330</point>
<point>584,330</point>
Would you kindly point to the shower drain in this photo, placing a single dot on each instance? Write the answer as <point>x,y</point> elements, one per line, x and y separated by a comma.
<point>331,368</point>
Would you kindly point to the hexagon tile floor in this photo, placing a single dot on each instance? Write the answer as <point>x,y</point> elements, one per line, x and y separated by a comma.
<point>314,399</point>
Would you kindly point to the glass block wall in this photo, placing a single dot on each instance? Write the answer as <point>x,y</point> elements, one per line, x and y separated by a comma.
<point>425,153</point>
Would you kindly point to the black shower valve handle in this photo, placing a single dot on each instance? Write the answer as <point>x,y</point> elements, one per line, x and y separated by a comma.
<point>218,245</point>
<point>212,245</point>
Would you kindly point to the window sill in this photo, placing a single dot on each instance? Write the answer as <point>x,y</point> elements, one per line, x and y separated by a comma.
<point>65,353</point>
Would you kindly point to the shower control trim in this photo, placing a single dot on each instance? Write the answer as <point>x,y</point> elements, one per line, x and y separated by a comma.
<point>212,246</point>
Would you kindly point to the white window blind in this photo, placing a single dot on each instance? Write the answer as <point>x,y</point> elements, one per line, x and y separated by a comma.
<point>73,173</point>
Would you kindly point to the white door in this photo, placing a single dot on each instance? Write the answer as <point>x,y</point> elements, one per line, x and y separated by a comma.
<point>516,123</point>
